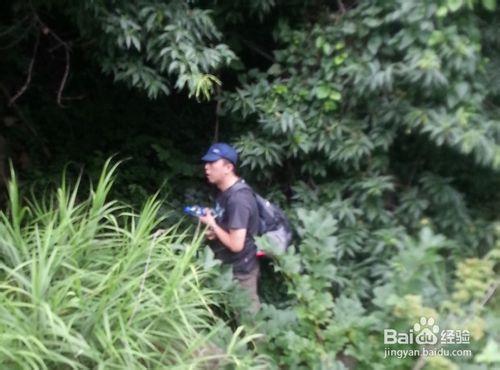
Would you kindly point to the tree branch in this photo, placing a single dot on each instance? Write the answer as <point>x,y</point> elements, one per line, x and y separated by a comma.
<point>20,38</point>
<point>255,48</point>
<point>487,296</point>
<point>30,72</point>
<point>47,31</point>
<point>25,121</point>
<point>341,6</point>
<point>217,114</point>
<point>43,28</point>
<point>64,78</point>
<point>13,27</point>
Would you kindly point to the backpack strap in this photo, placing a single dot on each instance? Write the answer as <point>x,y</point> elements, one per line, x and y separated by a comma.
<point>241,184</point>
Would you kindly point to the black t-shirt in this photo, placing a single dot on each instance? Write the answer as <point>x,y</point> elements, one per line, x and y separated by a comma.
<point>237,209</point>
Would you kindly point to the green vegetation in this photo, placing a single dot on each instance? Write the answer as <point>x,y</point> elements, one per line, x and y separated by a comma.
<point>89,284</point>
<point>375,124</point>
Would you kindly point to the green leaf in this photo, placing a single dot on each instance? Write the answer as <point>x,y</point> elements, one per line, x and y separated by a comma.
<point>319,42</point>
<point>327,49</point>
<point>335,95</point>
<point>136,43</point>
<point>490,4</point>
<point>274,70</point>
<point>490,353</point>
<point>454,5</point>
<point>322,91</point>
<point>442,12</point>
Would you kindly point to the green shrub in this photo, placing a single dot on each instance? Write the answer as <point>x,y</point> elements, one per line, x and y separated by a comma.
<point>91,285</point>
<point>328,327</point>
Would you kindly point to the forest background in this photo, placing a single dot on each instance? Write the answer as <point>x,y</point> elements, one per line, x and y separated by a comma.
<point>374,124</point>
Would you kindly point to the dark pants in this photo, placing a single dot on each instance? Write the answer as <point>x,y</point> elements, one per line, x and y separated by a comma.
<point>249,283</point>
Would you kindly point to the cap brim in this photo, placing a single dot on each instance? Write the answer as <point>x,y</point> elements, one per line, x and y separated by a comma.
<point>210,157</point>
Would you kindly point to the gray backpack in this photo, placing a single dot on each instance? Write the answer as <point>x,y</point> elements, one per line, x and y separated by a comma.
<point>273,224</point>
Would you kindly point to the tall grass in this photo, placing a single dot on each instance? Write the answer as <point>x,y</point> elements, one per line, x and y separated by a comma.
<point>90,285</point>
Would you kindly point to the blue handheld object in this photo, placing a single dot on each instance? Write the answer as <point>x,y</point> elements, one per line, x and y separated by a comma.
<point>195,211</point>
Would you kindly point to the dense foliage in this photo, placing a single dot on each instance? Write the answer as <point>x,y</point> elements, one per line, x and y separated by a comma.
<point>376,124</point>
<point>90,285</point>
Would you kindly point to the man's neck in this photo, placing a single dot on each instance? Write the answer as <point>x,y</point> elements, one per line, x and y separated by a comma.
<point>227,182</point>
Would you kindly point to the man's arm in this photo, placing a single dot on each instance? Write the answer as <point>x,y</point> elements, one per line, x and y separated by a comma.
<point>234,240</point>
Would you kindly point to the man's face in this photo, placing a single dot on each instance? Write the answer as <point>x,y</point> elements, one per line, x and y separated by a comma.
<point>217,170</point>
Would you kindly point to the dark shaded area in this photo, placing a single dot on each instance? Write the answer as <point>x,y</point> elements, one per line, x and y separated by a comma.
<point>161,140</point>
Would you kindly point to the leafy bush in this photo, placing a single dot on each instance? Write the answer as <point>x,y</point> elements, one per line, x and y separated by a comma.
<point>379,119</point>
<point>379,124</point>
<point>90,285</point>
<point>328,327</point>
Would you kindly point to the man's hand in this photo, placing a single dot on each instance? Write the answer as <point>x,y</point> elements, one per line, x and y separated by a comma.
<point>210,234</point>
<point>234,240</point>
<point>208,219</point>
<point>159,232</point>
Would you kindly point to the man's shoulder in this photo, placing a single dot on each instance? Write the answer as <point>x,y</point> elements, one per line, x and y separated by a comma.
<point>241,195</point>
<point>239,188</point>
<point>240,184</point>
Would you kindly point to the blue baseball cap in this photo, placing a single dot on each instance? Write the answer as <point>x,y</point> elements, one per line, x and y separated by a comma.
<point>221,150</point>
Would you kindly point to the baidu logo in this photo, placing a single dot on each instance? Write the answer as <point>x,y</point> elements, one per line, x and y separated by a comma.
<point>430,339</point>
<point>424,332</point>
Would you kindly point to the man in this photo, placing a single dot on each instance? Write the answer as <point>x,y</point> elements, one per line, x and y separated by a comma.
<point>237,219</point>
